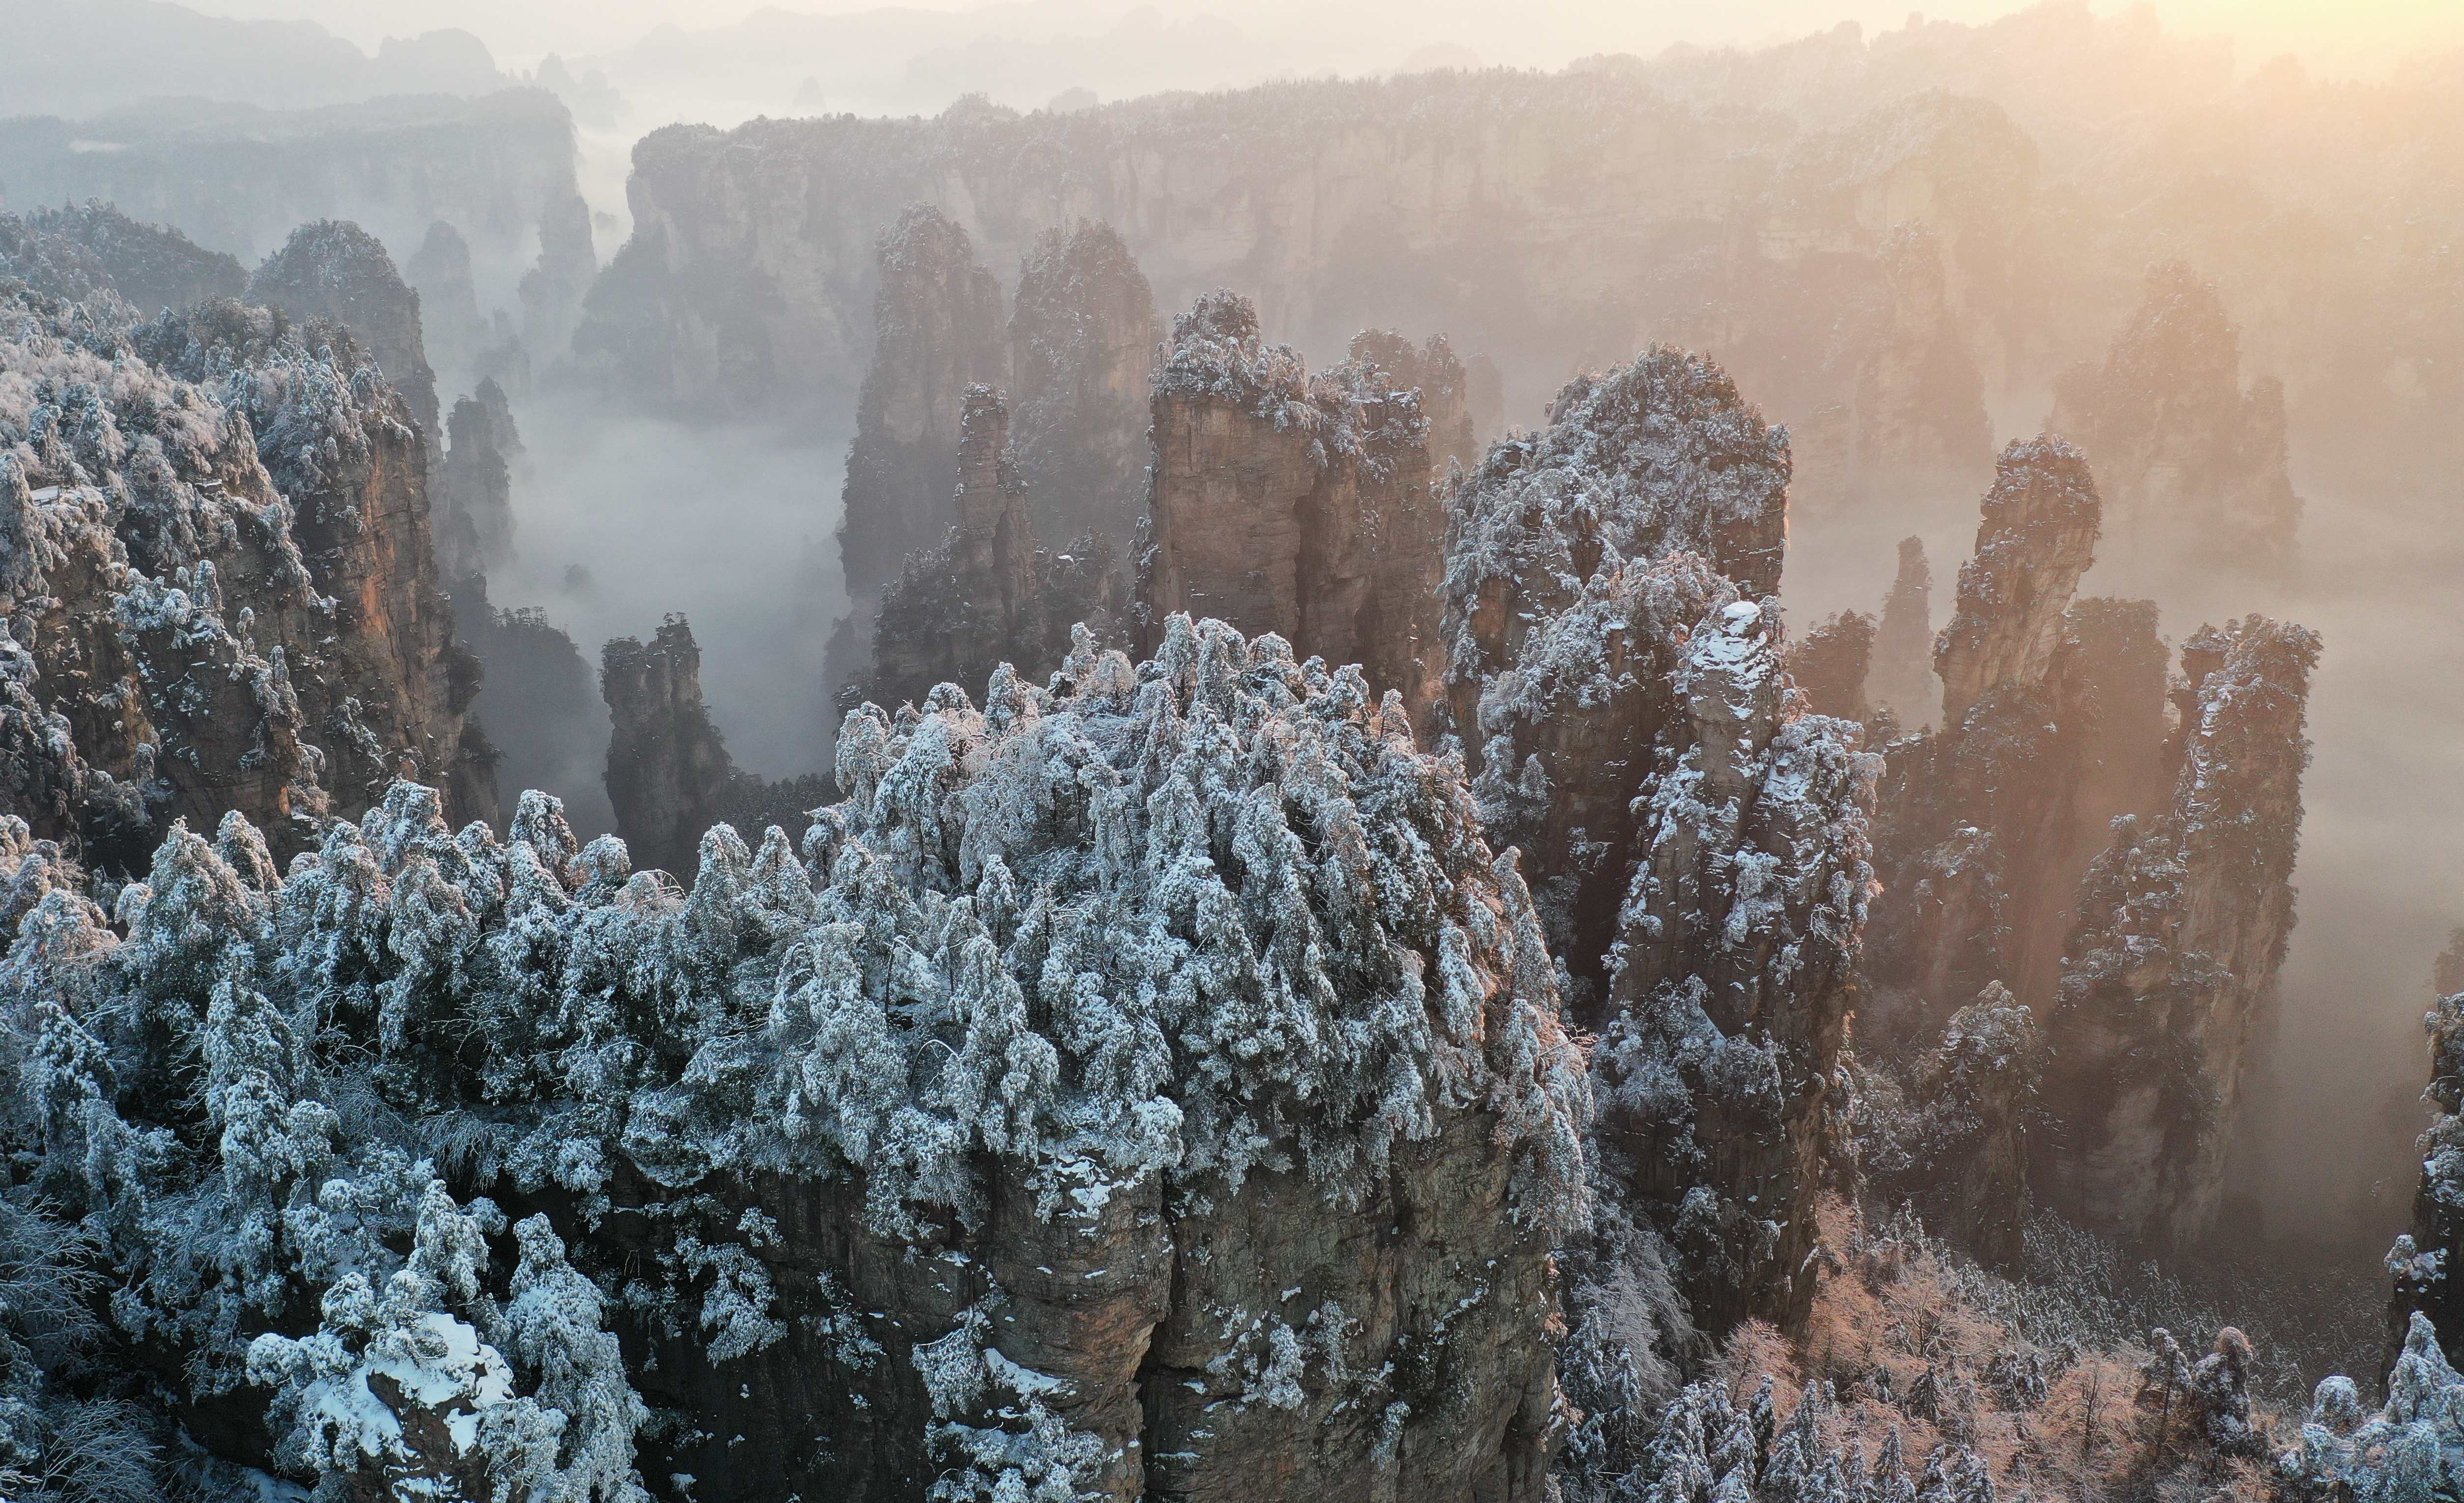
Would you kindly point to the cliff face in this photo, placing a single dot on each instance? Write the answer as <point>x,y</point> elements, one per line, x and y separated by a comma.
<point>1507,208</point>
<point>1831,664</point>
<point>1152,1087</point>
<point>221,590</point>
<point>240,179</point>
<point>988,595</point>
<point>439,271</point>
<point>668,767</point>
<point>1295,504</point>
<point>1953,1140</point>
<point>2170,986</point>
<point>1083,339</point>
<point>1901,678</point>
<point>474,521</point>
<point>2037,537</point>
<point>77,253</point>
<point>336,271</point>
<point>1697,841</point>
<point>1431,370</point>
<point>2194,463</point>
<point>552,289</point>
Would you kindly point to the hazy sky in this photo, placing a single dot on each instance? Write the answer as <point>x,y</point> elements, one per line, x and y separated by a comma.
<point>2332,35</point>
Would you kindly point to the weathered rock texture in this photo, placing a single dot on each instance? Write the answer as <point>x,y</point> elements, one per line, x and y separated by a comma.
<point>1295,504</point>
<point>1955,1140</point>
<point>1083,339</point>
<point>2191,462</point>
<point>1149,1086</point>
<point>988,595</point>
<point>2053,724</point>
<point>220,591</point>
<point>2168,985</point>
<point>1697,840</point>
<point>1431,370</point>
<point>1901,678</point>
<point>474,517</point>
<point>335,270</point>
<point>2037,537</point>
<point>77,253</point>
<point>1831,664</point>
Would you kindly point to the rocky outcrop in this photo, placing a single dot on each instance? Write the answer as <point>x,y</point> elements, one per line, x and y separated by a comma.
<point>451,328</point>
<point>938,331</point>
<point>2192,463</point>
<point>988,595</point>
<point>1083,339</point>
<point>1901,678</point>
<point>335,270</point>
<point>552,289</point>
<point>1910,409</point>
<point>475,518</point>
<point>1295,504</point>
<point>1697,841</point>
<point>667,767</point>
<point>1831,664</point>
<point>220,590</point>
<point>78,252</point>
<point>548,726</point>
<point>668,774</point>
<point>1432,370</point>
<point>2168,985</point>
<point>1149,1086</point>
<point>2037,537</point>
<point>240,179</point>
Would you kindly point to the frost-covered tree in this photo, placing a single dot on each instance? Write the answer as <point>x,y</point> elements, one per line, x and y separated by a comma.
<point>1175,1012</point>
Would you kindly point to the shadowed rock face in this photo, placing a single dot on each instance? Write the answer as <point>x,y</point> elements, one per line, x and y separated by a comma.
<point>988,596</point>
<point>335,270</point>
<point>1083,339</point>
<point>2191,462</point>
<point>668,767</point>
<point>475,524</point>
<point>221,589</point>
<point>1901,678</point>
<point>552,291</point>
<point>937,331</point>
<point>1832,663</point>
<point>439,271</point>
<point>1295,504</point>
<point>2169,989</point>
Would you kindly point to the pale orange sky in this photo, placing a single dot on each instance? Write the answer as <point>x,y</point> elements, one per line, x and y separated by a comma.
<point>2332,36</point>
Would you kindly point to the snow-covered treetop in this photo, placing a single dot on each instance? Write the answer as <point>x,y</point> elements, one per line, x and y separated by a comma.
<point>1354,413</point>
<point>1655,457</point>
<point>332,262</point>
